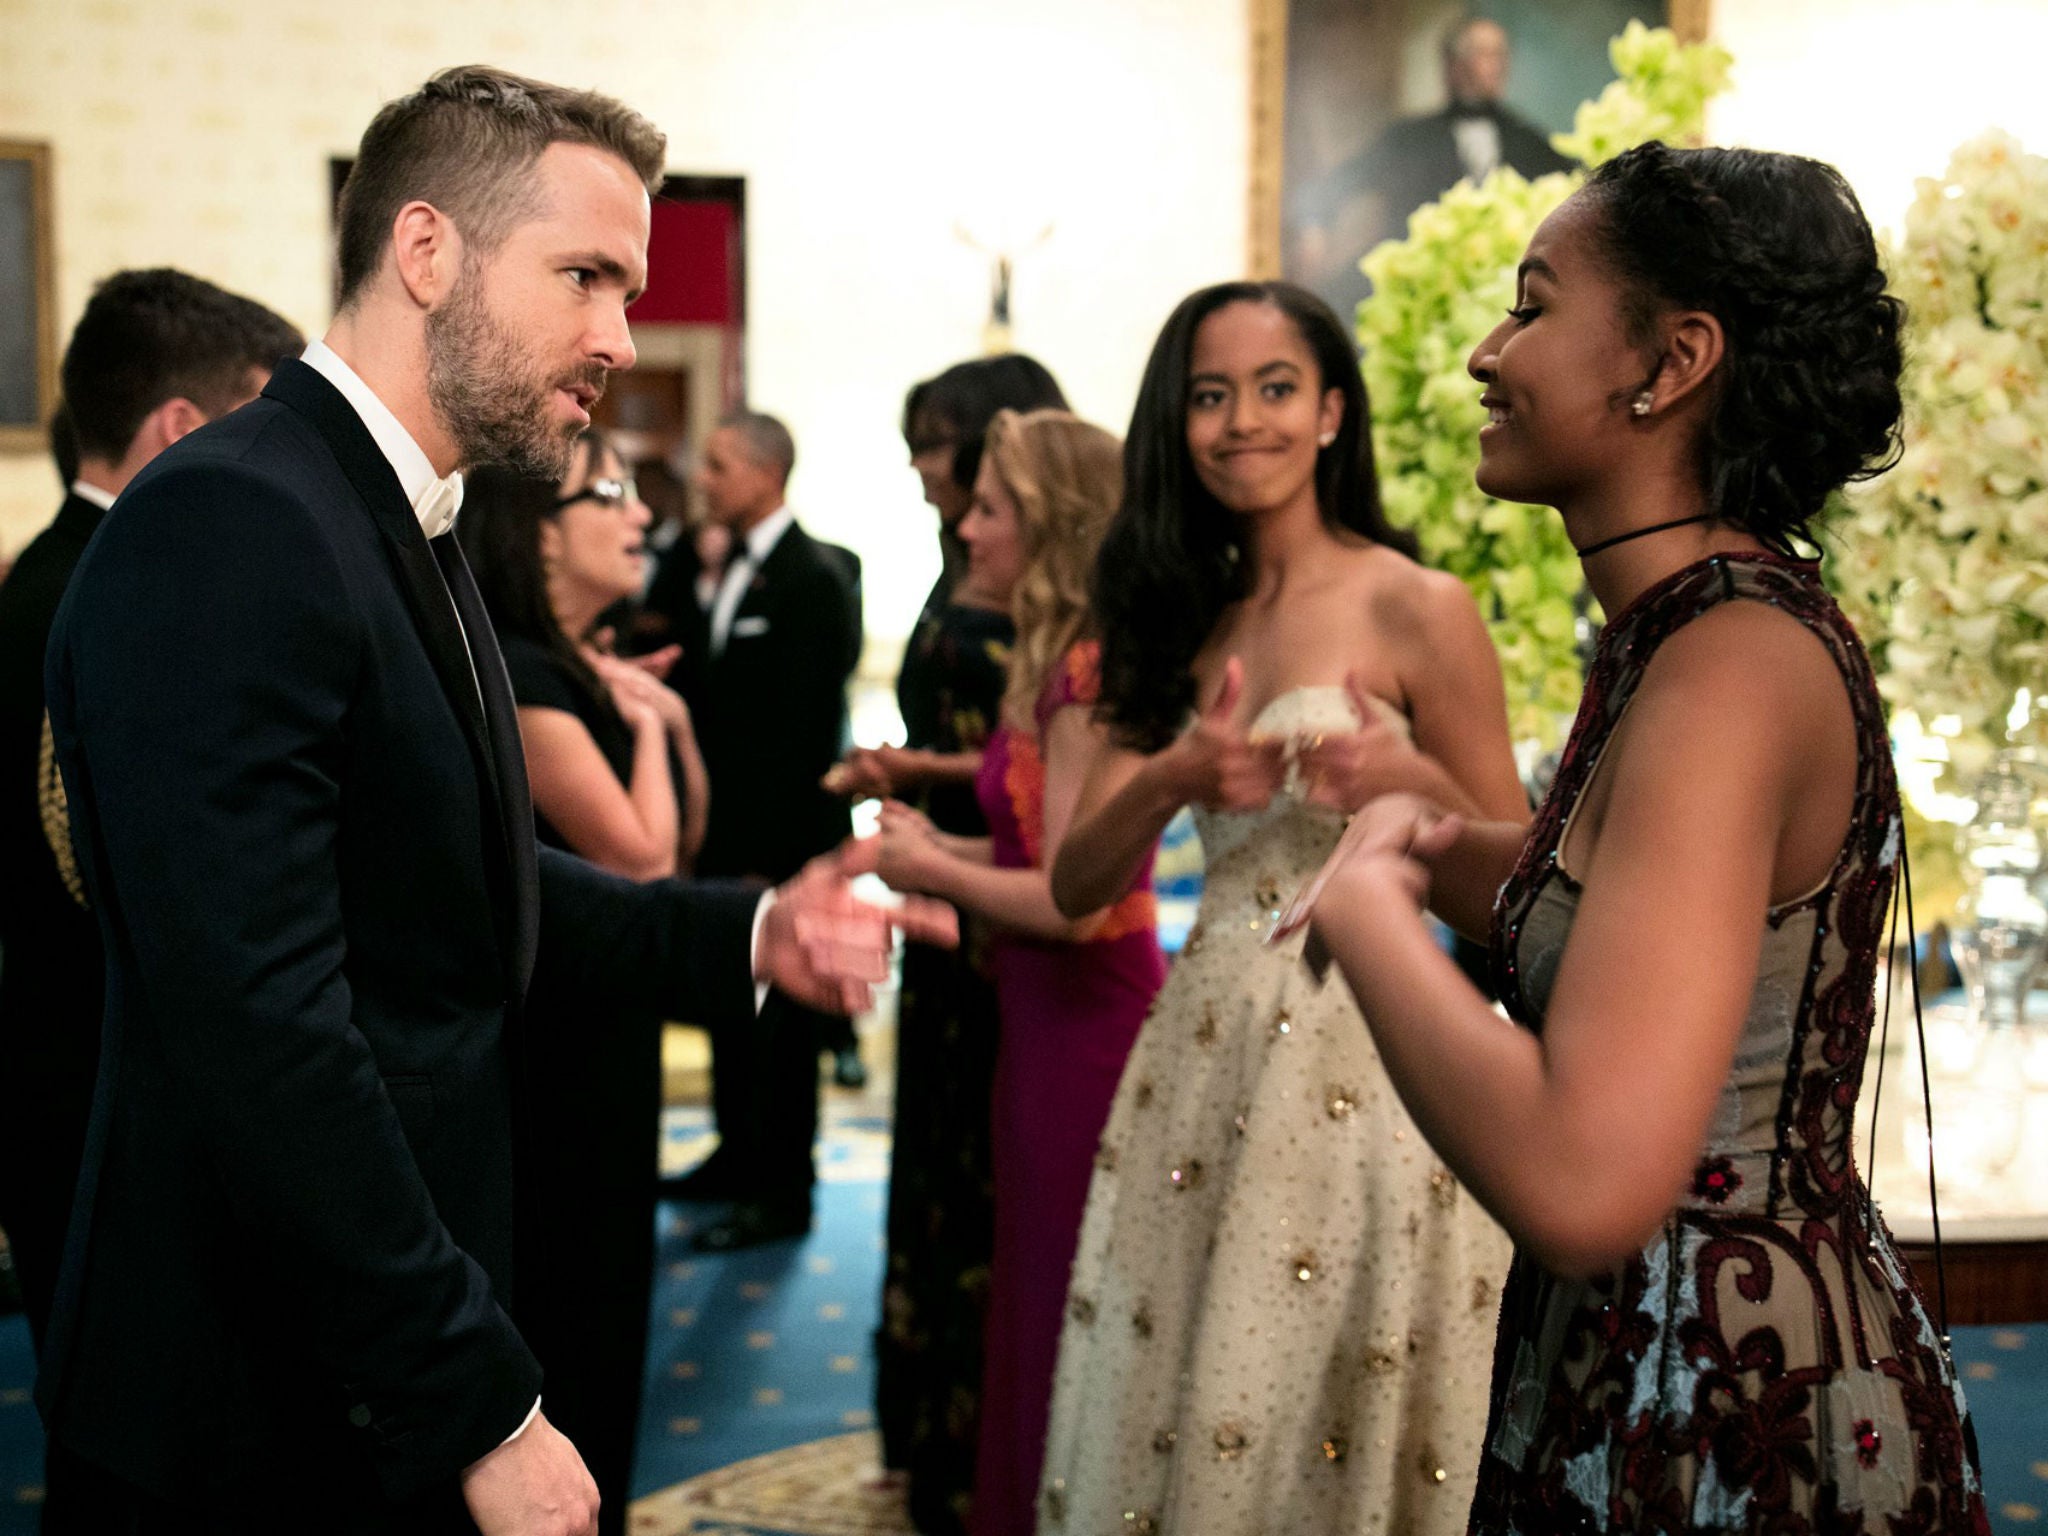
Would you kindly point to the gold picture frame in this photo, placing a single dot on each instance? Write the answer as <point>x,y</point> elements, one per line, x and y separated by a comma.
<point>28,301</point>
<point>1269,21</point>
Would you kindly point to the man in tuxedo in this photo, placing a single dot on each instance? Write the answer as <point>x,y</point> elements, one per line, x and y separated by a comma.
<point>300,810</point>
<point>155,355</point>
<point>1368,198</point>
<point>765,671</point>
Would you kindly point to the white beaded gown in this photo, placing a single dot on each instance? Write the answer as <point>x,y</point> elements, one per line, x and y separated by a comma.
<point>1282,1308</point>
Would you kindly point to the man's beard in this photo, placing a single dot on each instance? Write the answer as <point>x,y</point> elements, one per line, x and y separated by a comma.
<point>492,398</point>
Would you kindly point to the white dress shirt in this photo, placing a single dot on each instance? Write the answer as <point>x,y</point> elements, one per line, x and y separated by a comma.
<point>1478,141</point>
<point>434,499</point>
<point>98,495</point>
<point>741,569</point>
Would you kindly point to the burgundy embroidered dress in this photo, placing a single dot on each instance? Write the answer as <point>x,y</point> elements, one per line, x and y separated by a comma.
<point>1765,1364</point>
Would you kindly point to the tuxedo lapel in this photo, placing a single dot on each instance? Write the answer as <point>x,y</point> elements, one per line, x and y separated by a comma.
<point>434,596</point>
<point>508,758</point>
<point>767,573</point>
<point>426,593</point>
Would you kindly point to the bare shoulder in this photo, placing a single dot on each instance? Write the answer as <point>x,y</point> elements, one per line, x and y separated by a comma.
<point>1410,602</point>
<point>1752,649</point>
<point>1749,679</point>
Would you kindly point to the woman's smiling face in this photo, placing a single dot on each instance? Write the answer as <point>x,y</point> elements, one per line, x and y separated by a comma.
<point>1256,407</point>
<point>1560,370</point>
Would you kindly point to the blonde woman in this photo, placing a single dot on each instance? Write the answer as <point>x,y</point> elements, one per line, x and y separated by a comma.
<point>1071,992</point>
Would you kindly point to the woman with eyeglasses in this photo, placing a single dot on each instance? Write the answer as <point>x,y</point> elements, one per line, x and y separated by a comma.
<point>616,777</point>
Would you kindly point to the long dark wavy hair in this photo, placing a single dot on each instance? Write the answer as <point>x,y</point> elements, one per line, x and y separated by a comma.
<point>1777,248</point>
<point>502,514</point>
<point>1171,561</point>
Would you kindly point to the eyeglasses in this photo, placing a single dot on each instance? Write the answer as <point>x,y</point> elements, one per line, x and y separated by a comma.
<point>613,495</point>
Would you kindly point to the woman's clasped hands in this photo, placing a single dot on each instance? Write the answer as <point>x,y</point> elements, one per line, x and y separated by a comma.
<point>1225,767</point>
<point>638,694</point>
<point>1347,770</point>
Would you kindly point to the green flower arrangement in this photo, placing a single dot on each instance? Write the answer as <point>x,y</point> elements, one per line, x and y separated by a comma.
<point>1435,294</point>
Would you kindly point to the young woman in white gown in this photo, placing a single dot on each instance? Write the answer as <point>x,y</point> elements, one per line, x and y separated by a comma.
<point>1282,1302</point>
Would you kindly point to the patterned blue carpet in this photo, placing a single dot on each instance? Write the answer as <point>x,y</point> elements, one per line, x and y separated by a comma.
<point>772,1346</point>
<point>2005,1377</point>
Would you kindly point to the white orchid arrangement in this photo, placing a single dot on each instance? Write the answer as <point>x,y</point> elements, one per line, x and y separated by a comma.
<point>1435,294</point>
<point>1943,561</point>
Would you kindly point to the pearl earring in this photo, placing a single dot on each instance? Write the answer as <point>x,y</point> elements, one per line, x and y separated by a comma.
<point>1642,403</point>
<point>1326,439</point>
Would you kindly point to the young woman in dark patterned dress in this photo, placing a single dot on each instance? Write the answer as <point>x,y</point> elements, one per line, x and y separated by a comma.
<point>1708,1327</point>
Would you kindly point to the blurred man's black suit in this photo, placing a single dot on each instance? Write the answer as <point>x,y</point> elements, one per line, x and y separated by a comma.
<point>50,990</point>
<point>770,712</point>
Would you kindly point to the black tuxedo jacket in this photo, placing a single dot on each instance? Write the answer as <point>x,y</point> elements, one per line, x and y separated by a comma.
<point>1416,160</point>
<point>50,968</point>
<point>299,799</point>
<point>770,710</point>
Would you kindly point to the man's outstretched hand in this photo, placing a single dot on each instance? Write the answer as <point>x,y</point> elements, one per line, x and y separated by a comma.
<point>828,949</point>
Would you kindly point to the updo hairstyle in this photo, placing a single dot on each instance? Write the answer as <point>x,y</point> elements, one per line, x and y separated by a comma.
<point>1775,247</point>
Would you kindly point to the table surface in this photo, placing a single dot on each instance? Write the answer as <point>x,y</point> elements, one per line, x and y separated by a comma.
<point>1980,1203</point>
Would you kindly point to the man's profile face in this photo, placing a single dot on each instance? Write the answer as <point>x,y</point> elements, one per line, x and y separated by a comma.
<point>735,487</point>
<point>519,350</point>
<point>1479,62</point>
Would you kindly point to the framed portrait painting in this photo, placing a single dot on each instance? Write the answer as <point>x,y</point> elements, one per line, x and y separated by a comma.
<point>28,319</point>
<point>1363,110</point>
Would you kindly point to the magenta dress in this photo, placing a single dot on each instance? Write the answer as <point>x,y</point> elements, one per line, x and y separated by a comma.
<point>1070,1012</point>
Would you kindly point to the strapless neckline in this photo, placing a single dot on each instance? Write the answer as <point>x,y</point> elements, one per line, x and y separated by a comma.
<point>1333,692</point>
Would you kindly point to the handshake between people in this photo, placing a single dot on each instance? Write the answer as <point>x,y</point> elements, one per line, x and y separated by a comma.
<point>826,947</point>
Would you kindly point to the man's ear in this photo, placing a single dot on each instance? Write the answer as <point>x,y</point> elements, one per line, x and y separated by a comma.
<point>1694,345</point>
<point>161,428</point>
<point>426,252</point>
<point>179,416</point>
<point>158,430</point>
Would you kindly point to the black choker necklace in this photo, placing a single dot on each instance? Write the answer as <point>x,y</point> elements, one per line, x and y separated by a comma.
<point>1641,533</point>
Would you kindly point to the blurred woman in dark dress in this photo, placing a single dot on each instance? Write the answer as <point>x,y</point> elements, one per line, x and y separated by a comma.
<point>616,777</point>
<point>928,1348</point>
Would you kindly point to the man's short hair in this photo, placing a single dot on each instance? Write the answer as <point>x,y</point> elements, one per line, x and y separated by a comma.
<point>465,142</point>
<point>160,334</point>
<point>767,439</point>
